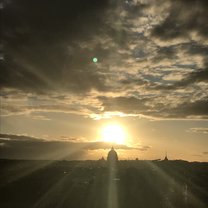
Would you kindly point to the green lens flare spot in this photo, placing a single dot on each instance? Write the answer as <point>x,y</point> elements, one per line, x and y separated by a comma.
<point>95,60</point>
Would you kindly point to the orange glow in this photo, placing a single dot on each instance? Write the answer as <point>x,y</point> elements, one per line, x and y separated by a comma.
<point>113,133</point>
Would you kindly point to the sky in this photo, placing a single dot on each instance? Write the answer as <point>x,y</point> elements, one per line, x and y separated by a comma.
<point>150,76</point>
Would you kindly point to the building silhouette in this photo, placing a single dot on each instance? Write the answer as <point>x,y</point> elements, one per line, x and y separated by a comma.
<point>112,158</point>
<point>166,157</point>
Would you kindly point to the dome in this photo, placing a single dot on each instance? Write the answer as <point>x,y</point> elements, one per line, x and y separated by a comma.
<point>112,156</point>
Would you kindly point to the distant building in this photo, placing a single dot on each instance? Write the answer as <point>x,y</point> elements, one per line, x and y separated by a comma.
<point>112,157</point>
<point>101,162</point>
<point>102,159</point>
<point>166,157</point>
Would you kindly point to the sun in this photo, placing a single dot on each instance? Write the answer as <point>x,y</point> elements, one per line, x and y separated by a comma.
<point>113,133</point>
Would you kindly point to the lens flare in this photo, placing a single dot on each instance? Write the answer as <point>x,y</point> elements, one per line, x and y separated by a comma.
<point>95,60</point>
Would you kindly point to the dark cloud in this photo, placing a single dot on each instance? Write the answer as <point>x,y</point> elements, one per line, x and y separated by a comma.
<point>124,104</point>
<point>49,48</point>
<point>183,17</point>
<point>155,108</point>
<point>167,52</point>
<point>50,45</point>
<point>104,145</point>
<point>23,138</point>
<point>132,80</point>
<point>190,48</point>
<point>184,110</point>
<point>199,75</point>
<point>194,48</point>
<point>26,147</point>
<point>205,153</point>
<point>154,82</point>
<point>42,43</point>
<point>188,109</point>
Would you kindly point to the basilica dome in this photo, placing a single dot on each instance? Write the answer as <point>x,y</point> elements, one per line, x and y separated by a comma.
<point>112,157</point>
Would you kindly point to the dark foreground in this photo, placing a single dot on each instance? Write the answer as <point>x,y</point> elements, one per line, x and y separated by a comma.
<point>90,184</point>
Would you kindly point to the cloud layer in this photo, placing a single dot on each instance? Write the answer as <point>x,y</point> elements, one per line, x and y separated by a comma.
<point>199,130</point>
<point>152,58</point>
<point>27,147</point>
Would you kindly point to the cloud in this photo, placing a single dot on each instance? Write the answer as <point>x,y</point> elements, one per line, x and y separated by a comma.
<point>33,104</point>
<point>123,104</point>
<point>197,155</point>
<point>156,108</point>
<point>182,19</point>
<point>151,58</point>
<point>23,138</point>
<point>26,147</point>
<point>56,55</point>
<point>198,107</point>
<point>199,130</point>
<point>45,51</point>
<point>104,145</point>
<point>205,153</point>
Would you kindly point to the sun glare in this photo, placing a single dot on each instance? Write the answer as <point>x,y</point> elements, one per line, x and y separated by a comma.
<point>113,133</point>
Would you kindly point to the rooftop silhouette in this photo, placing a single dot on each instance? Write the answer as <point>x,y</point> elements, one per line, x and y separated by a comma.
<point>112,157</point>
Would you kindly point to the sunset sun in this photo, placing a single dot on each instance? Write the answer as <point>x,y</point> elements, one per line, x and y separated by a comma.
<point>113,133</point>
